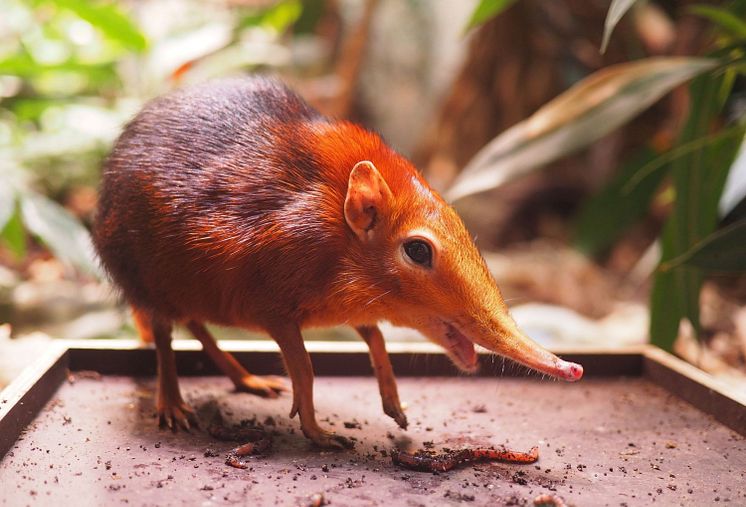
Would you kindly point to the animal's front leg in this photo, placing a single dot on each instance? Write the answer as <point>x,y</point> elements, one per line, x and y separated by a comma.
<point>298,365</point>
<point>379,358</point>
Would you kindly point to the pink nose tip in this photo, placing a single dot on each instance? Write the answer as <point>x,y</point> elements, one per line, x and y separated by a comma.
<point>571,371</point>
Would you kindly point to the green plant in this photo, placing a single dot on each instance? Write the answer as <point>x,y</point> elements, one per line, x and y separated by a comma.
<point>73,71</point>
<point>723,251</point>
<point>592,108</point>
<point>22,209</point>
<point>697,165</point>
<point>487,9</point>
<point>58,76</point>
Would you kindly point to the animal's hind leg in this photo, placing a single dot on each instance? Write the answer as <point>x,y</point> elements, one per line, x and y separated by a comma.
<point>172,410</point>
<point>242,379</point>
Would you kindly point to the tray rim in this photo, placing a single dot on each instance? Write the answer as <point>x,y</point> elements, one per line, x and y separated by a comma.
<point>25,396</point>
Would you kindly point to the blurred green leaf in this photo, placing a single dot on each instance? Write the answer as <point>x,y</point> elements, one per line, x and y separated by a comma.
<point>722,17</point>
<point>721,251</point>
<point>313,13</point>
<point>32,109</point>
<point>653,166</point>
<point>279,16</point>
<point>7,203</point>
<point>14,236</point>
<point>109,19</point>
<point>698,180</point>
<point>486,10</point>
<point>68,240</point>
<point>19,65</point>
<point>667,304</point>
<point>22,65</point>
<point>608,213</point>
<point>592,108</point>
<point>617,10</point>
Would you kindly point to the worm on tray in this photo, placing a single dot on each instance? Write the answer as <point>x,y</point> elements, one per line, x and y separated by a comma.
<point>546,500</point>
<point>428,461</point>
<point>233,458</point>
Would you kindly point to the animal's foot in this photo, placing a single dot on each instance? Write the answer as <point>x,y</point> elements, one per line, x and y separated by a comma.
<point>393,409</point>
<point>175,414</point>
<point>329,440</point>
<point>268,387</point>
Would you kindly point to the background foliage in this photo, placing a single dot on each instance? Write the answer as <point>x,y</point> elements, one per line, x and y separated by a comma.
<point>697,165</point>
<point>72,72</point>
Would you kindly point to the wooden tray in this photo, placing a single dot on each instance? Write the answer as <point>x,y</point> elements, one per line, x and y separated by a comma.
<point>641,426</point>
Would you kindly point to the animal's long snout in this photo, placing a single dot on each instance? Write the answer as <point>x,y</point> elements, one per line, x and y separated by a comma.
<point>531,354</point>
<point>507,340</point>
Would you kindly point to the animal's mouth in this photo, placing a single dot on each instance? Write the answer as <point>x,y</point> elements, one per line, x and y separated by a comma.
<point>460,347</point>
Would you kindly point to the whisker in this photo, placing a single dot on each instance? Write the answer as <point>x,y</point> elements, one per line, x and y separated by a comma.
<point>517,298</point>
<point>373,300</point>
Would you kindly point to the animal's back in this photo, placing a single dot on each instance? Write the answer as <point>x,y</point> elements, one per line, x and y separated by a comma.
<point>195,184</point>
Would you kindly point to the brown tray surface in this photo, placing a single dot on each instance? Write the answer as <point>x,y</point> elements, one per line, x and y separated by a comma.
<point>622,441</point>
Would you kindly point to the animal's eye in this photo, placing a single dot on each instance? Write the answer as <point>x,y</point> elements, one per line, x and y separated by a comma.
<point>419,251</point>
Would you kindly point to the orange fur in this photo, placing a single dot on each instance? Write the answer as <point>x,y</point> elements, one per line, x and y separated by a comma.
<point>237,204</point>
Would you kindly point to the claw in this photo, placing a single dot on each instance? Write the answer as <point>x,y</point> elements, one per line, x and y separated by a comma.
<point>396,413</point>
<point>175,415</point>
<point>294,408</point>
<point>332,441</point>
<point>329,440</point>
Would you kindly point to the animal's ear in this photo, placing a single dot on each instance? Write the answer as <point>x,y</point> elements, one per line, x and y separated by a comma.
<point>368,196</point>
